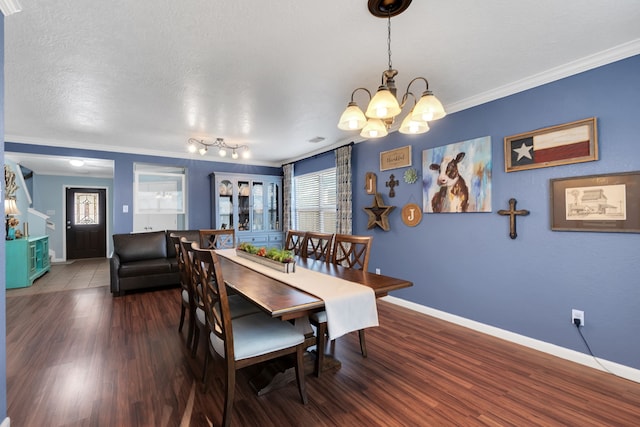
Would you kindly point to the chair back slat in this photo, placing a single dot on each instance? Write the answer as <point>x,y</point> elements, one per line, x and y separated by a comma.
<point>352,251</point>
<point>317,246</point>
<point>214,296</point>
<point>294,240</point>
<point>184,278</point>
<point>223,238</point>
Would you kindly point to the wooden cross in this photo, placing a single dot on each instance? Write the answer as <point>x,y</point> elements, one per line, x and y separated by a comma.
<point>512,212</point>
<point>391,184</point>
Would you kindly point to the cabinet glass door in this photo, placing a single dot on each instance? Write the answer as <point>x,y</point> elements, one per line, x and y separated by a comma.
<point>225,203</point>
<point>244,204</point>
<point>273,207</point>
<point>258,205</point>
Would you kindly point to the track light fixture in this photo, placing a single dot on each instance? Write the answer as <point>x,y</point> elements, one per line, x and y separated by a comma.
<point>384,106</point>
<point>202,147</point>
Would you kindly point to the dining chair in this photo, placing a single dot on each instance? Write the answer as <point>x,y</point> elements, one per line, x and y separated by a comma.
<point>317,246</point>
<point>242,341</point>
<point>186,297</point>
<point>197,305</point>
<point>222,238</point>
<point>350,252</point>
<point>294,240</point>
<point>239,306</point>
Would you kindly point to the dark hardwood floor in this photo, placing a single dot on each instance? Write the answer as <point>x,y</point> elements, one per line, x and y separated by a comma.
<point>83,358</point>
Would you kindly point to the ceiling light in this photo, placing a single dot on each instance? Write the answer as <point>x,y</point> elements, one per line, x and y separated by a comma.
<point>202,147</point>
<point>384,105</point>
<point>9,7</point>
<point>76,162</point>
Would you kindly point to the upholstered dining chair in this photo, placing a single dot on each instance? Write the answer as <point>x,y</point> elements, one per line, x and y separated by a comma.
<point>317,246</point>
<point>222,238</point>
<point>238,305</point>
<point>242,341</point>
<point>350,252</point>
<point>195,296</point>
<point>186,297</point>
<point>294,240</point>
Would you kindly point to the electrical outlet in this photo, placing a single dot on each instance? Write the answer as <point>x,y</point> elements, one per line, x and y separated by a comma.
<point>577,314</point>
<point>377,271</point>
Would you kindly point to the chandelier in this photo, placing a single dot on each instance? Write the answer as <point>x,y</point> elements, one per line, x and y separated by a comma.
<point>202,146</point>
<point>384,106</point>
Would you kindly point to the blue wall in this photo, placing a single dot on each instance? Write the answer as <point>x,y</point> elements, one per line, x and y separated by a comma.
<point>467,265</point>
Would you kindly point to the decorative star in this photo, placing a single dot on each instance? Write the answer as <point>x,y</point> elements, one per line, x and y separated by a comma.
<point>524,151</point>
<point>378,213</point>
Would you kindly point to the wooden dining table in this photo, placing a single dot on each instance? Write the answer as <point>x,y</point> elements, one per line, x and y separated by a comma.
<point>285,301</point>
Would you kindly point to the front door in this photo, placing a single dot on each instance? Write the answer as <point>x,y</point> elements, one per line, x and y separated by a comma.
<point>86,223</point>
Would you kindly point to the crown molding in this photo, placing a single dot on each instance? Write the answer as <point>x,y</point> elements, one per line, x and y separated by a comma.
<point>623,51</point>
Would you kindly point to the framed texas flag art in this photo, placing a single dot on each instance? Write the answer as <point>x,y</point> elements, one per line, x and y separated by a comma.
<point>573,142</point>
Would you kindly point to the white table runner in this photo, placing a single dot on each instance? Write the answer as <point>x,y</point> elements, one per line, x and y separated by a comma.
<point>349,306</point>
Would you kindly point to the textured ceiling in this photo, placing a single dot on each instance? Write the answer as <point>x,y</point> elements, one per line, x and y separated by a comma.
<point>144,76</point>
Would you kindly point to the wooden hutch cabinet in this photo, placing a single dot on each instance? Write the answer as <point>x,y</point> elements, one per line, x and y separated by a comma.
<point>252,204</point>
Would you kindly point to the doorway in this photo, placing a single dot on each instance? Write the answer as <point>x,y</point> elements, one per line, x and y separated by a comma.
<point>86,222</point>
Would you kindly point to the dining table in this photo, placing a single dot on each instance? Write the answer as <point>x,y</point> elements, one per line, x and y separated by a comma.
<point>279,296</point>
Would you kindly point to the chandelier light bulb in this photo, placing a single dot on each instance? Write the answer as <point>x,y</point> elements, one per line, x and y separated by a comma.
<point>428,108</point>
<point>203,151</point>
<point>222,152</point>
<point>352,118</point>
<point>413,127</point>
<point>245,153</point>
<point>375,128</point>
<point>234,154</point>
<point>192,148</point>
<point>383,105</point>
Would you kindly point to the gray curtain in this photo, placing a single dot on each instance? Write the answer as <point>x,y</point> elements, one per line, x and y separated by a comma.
<point>287,197</point>
<point>343,184</point>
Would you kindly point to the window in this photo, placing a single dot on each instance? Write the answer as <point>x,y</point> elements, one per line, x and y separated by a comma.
<point>87,209</point>
<point>315,201</point>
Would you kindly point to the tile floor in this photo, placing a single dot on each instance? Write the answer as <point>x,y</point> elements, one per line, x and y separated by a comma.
<point>76,274</point>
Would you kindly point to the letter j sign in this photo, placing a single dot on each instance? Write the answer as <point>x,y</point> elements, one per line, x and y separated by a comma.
<point>411,214</point>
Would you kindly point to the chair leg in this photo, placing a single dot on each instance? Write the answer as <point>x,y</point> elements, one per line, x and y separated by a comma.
<point>182,313</point>
<point>229,394</point>
<point>196,341</point>
<point>321,341</point>
<point>300,374</point>
<point>192,322</point>
<point>204,372</point>
<point>363,344</point>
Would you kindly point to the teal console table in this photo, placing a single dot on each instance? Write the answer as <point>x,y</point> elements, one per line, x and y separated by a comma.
<point>26,260</point>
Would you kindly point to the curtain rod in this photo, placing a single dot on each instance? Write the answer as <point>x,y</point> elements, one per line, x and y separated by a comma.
<point>319,154</point>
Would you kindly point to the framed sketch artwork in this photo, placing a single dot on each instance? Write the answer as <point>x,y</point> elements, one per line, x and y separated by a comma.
<point>608,203</point>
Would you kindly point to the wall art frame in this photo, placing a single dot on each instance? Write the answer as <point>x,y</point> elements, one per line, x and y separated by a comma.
<point>565,144</point>
<point>600,203</point>
<point>394,159</point>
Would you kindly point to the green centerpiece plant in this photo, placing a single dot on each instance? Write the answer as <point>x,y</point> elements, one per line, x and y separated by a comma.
<point>280,259</point>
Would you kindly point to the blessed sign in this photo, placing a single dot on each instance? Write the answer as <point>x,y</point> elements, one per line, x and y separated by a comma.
<point>393,159</point>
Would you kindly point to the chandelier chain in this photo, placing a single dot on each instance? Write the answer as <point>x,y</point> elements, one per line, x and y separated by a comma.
<point>389,40</point>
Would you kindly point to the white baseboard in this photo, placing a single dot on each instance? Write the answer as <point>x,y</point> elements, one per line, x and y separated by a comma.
<point>6,422</point>
<point>562,352</point>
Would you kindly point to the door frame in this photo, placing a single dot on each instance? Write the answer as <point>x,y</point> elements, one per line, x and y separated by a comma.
<point>65,187</point>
